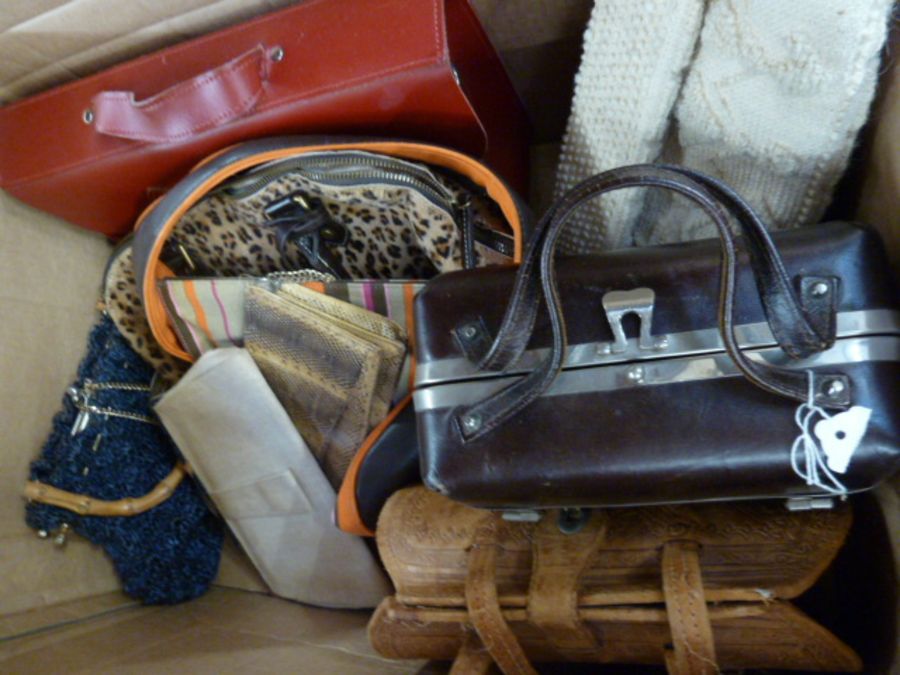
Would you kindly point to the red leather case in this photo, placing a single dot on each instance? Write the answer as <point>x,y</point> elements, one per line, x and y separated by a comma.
<point>97,151</point>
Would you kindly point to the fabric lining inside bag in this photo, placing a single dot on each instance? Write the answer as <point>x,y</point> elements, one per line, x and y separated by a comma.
<point>380,218</point>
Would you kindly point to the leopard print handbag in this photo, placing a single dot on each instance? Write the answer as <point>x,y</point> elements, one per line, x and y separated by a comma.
<point>374,214</point>
<point>351,209</point>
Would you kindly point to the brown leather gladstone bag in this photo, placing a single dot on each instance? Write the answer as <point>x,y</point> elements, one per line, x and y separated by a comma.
<point>695,587</point>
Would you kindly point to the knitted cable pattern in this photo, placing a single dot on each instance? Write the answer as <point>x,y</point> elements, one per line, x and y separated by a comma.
<point>165,555</point>
<point>772,105</point>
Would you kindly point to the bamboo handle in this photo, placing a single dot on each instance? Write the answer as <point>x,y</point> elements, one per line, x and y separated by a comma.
<point>88,506</point>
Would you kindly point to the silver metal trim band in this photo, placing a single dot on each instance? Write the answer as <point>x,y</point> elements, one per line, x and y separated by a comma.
<point>660,371</point>
<point>750,336</point>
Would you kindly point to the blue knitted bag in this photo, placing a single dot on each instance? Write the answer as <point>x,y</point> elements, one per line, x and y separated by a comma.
<point>107,444</point>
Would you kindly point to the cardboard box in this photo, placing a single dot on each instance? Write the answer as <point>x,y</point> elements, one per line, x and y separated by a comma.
<point>60,609</point>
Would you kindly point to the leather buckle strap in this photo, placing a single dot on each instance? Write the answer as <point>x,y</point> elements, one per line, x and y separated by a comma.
<point>484,604</point>
<point>472,658</point>
<point>558,562</point>
<point>693,649</point>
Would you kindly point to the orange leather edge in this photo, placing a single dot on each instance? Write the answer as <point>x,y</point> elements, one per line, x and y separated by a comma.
<point>191,293</point>
<point>463,164</point>
<point>408,299</point>
<point>346,511</point>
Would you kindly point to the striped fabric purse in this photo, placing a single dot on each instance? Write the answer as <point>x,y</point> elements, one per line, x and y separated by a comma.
<point>207,313</point>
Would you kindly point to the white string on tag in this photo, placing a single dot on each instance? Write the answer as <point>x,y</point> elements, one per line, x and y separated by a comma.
<point>807,458</point>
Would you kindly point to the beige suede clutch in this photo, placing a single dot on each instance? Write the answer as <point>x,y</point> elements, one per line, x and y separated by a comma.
<point>248,455</point>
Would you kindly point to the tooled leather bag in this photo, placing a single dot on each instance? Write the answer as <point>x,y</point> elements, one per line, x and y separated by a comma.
<point>786,389</point>
<point>697,587</point>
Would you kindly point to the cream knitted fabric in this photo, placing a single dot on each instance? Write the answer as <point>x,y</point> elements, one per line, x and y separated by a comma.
<point>772,105</point>
<point>630,75</point>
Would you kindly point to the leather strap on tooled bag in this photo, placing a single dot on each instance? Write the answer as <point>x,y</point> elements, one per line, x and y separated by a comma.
<point>558,562</point>
<point>484,603</point>
<point>693,650</point>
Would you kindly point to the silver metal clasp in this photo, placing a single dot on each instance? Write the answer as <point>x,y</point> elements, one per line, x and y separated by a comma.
<point>639,301</point>
<point>809,503</point>
<point>81,398</point>
<point>521,515</point>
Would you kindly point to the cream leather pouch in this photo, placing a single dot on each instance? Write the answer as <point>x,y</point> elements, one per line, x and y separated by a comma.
<point>266,483</point>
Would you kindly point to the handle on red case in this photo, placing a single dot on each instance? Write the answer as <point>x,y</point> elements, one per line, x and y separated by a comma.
<point>188,108</point>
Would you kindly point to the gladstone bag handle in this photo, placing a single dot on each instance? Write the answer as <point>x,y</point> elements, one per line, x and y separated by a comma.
<point>790,323</point>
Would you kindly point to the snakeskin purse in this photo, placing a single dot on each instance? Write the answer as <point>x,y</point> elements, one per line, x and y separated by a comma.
<point>333,366</point>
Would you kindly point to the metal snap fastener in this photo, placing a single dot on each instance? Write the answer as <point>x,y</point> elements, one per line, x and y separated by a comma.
<point>469,331</point>
<point>277,54</point>
<point>471,423</point>
<point>834,388</point>
<point>61,537</point>
<point>88,116</point>
<point>572,520</point>
<point>819,289</point>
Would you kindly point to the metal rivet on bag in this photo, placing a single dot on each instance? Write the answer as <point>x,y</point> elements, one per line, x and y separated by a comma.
<point>636,374</point>
<point>572,520</point>
<point>834,388</point>
<point>88,116</point>
<point>277,54</point>
<point>819,289</point>
<point>471,423</point>
<point>469,331</point>
<point>60,539</point>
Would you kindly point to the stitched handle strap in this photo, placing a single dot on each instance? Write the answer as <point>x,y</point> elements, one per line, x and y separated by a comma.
<point>484,604</point>
<point>88,506</point>
<point>558,562</point>
<point>793,328</point>
<point>693,649</point>
<point>188,108</point>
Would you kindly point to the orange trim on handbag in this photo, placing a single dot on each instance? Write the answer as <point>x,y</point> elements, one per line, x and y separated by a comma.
<point>191,292</point>
<point>347,508</point>
<point>409,297</point>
